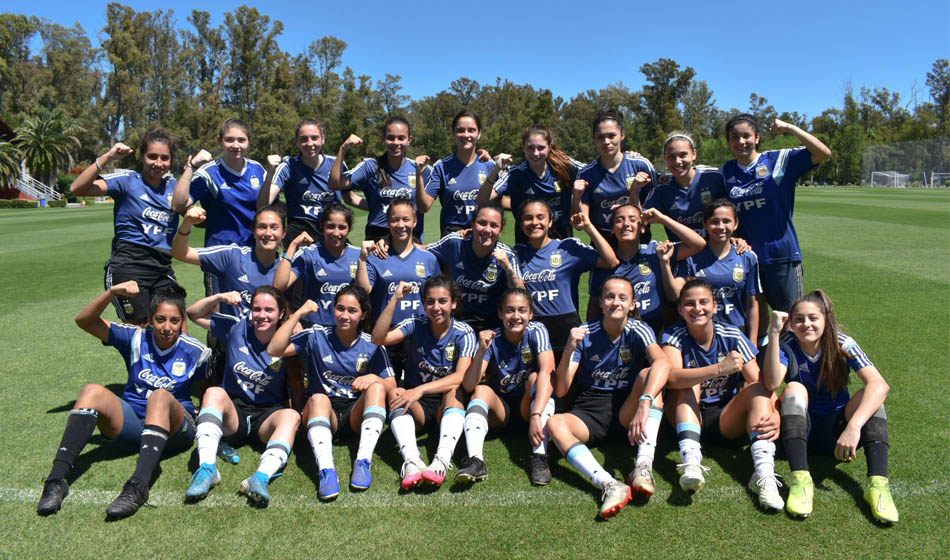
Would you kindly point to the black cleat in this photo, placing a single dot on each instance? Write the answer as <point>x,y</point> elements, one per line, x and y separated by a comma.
<point>473,469</point>
<point>51,499</point>
<point>539,470</point>
<point>133,496</point>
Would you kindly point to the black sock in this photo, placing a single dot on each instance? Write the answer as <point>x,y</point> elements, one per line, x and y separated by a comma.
<point>876,454</point>
<point>150,452</point>
<point>795,440</point>
<point>79,427</point>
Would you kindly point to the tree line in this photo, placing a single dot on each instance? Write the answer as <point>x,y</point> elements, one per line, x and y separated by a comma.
<point>70,101</point>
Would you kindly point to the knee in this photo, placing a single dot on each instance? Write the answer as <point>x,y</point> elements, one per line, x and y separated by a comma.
<point>90,395</point>
<point>794,400</point>
<point>214,397</point>
<point>482,392</point>
<point>875,429</point>
<point>160,397</point>
<point>289,418</point>
<point>555,424</point>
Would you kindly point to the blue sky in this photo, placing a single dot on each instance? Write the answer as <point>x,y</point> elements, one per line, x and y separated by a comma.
<point>800,55</point>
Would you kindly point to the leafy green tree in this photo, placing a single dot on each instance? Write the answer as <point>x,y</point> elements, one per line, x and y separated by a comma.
<point>46,141</point>
<point>658,113</point>
<point>938,80</point>
<point>10,157</point>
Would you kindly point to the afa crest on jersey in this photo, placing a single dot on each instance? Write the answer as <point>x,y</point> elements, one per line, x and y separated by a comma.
<point>255,182</point>
<point>450,352</point>
<point>625,355</point>
<point>629,180</point>
<point>557,186</point>
<point>761,171</point>
<point>645,269</point>
<point>361,362</point>
<point>127,307</point>
<point>178,368</point>
<point>353,267</point>
<point>491,273</point>
<point>705,196</point>
<point>275,363</point>
<point>412,181</point>
<point>526,355</point>
<point>420,270</point>
<point>481,177</point>
<point>555,259</point>
<point>738,274</point>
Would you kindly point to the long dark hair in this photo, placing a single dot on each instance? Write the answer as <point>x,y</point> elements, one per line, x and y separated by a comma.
<point>834,361</point>
<point>447,282</point>
<point>559,161</point>
<point>362,298</point>
<point>382,176</point>
<point>157,135</point>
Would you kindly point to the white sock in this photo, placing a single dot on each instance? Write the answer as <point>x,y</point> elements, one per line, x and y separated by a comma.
<point>476,427</point>
<point>547,413</point>
<point>450,429</point>
<point>583,460</point>
<point>690,450</point>
<point>208,435</point>
<point>647,449</point>
<point>403,427</point>
<point>274,457</point>
<point>763,457</point>
<point>321,440</point>
<point>370,428</point>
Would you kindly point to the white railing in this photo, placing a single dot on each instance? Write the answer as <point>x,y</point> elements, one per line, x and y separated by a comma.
<point>43,191</point>
<point>27,189</point>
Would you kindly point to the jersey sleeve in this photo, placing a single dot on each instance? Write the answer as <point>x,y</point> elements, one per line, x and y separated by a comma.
<point>540,340</point>
<point>685,269</point>
<point>586,255</point>
<point>361,175</point>
<point>580,348</point>
<point>215,259</point>
<point>792,164</point>
<point>441,248</point>
<point>501,185</point>
<point>857,359</point>
<point>221,325</point>
<point>300,263</point>
<point>120,338</point>
<point>653,200</point>
<point>468,344</point>
<point>117,185</point>
<point>282,173</point>
<point>303,341</point>
<point>753,285</point>
<point>436,181</point>
<point>372,272</point>
<point>407,326</point>
<point>644,334</point>
<point>200,186</point>
<point>672,337</point>
<point>379,364</point>
<point>745,348</point>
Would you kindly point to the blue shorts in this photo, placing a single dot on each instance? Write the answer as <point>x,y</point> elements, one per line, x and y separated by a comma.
<point>782,283</point>
<point>131,434</point>
<point>824,430</point>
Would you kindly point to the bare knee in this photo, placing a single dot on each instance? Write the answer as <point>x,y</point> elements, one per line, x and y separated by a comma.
<point>215,397</point>
<point>91,395</point>
<point>288,417</point>
<point>482,392</point>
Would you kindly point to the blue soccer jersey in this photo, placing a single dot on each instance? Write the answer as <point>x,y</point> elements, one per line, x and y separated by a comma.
<point>734,277</point>
<point>510,365</point>
<point>249,371</point>
<point>685,205</point>
<point>333,367</point>
<point>229,196</point>
<point>237,270</point>
<point>806,369</point>
<point>365,177</point>
<point>520,183</point>
<point>306,190</point>
<point>719,390</point>
<point>173,369</point>
<point>143,214</point>
<point>456,186</point>
<point>606,190</point>
<point>386,274</point>
<point>764,191</point>
<point>482,280</point>
<point>431,359</point>
<point>551,273</point>
<point>323,275</point>
<point>610,365</point>
<point>647,277</point>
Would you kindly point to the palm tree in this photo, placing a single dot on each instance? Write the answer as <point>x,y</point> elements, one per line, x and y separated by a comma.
<point>10,158</point>
<point>45,141</point>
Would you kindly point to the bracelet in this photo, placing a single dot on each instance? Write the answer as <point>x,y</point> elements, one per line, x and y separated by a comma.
<point>535,414</point>
<point>99,167</point>
<point>184,232</point>
<point>646,397</point>
<point>286,258</point>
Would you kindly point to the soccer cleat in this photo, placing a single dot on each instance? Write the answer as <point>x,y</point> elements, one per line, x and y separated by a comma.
<point>133,496</point>
<point>472,470</point>
<point>801,491</point>
<point>691,476</point>
<point>362,476</point>
<point>435,472</point>
<point>51,499</point>
<point>641,481</point>
<point>329,485</point>
<point>228,453</point>
<point>204,479</point>
<point>539,470</point>
<point>255,488</point>
<point>411,473</point>
<point>766,488</point>
<point>878,496</point>
<point>614,498</point>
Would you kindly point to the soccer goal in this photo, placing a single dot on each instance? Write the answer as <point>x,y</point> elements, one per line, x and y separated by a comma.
<point>891,179</point>
<point>939,180</point>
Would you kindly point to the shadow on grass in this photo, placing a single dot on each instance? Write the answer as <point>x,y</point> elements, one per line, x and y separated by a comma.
<point>824,469</point>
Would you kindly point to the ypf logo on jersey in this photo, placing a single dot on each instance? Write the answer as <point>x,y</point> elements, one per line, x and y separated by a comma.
<point>420,270</point>
<point>555,259</point>
<point>491,273</point>
<point>526,355</point>
<point>645,269</point>
<point>353,267</point>
<point>738,274</point>
<point>450,352</point>
<point>761,171</point>
<point>361,362</point>
<point>625,355</point>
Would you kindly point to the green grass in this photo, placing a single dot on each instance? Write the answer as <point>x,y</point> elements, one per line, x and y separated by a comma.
<point>884,256</point>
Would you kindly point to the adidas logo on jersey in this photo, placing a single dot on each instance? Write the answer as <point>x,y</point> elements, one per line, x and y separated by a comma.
<point>452,181</point>
<point>139,390</point>
<point>147,357</point>
<point>529,191</point>
<point>731,180</point>
<point>387,274</point>
<point>143,197</point>
<point>243,278</point>
<point>459,265</point>
<point>595,357</point>
<point>321,272</point>
<point>328,359</point>
<point>244,350</point>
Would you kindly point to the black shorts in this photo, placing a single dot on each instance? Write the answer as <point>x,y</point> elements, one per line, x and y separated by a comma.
<point>598,411</point>
<point>824,430</point>
<point>296,226</point>
<point>398,353</point>
<point>374,233</point>
<point>482,322</point>
<point>559,330</point>
<point>710,430</point>
<point>513,419</point>
<point>430,412</point>
<point>342,408</point>
<point>250,418</point>
<point>135,309</point>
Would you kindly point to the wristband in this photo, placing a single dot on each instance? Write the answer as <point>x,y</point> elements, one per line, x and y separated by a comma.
<point>286,258</point>
<point>646,397</point>
<point>535,414</point>
<point>99,167</point>
<point>186,233</point>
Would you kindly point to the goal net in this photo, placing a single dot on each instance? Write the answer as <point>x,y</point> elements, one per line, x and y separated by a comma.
<point>891,179</point>
<point>922,163</point>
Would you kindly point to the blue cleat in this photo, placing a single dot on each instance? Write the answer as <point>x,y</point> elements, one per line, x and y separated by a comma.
<point>255,488</point>
<point>329,485</point>
<point>362,476</point>
<point>204,479</point>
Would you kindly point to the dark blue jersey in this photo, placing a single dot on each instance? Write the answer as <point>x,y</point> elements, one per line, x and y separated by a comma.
<point>229,196</point>
<point>806,369</point>
<point>385,275</point>
<point>333,367</point>
<point>429,358</point>
<point>323,275</point>
<point>610,365</point>
<point>606,190</point>
<point>510,365</point>
<point>249,371</point>
<point>764,191</point>
<point>456,186</point>
<point>238,270</point>
<point>150,368</point>
<point>306,190</point>
<point>734,277</point>
<point>143,214</point>
<point>365,177</point>
<point>551,273</point>
<point>685,205</point>
<point>481,279</point>
<point>647,277</point>
<point>719,390</point>
<point>521,183</point>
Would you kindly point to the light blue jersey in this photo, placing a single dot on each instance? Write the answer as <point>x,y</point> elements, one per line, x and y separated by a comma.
<point>229,196</point>
<point>333,367</point>
<point>250,373</point>
<point>719,390</point>
<point>429,358</point>
<point>237,270</point>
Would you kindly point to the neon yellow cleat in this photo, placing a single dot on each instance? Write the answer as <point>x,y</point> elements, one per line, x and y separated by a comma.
<point>801,490</point>
<point>878,496</point>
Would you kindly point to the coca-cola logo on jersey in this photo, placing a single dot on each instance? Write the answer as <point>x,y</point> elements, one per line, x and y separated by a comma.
<point>332,289</point>
<point>465,195</point>
<point>546,275</point>
<point>318,197</point>
<point>156,215</point>
<point>259,377</point>
<point>416,286</point>
<point>396,193</point>
<point>156,381</point>
<point>616,373</point>
<point>609,203</point>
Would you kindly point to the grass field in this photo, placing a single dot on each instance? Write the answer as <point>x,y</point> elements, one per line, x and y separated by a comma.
<point>883,255</point>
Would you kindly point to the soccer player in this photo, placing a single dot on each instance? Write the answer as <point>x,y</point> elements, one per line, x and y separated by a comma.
<point>516,362</point>
<point>252,404</point>
<point>692,186</point>
<point>763,188</point>
<point>382,179</point>
<point>455,179</point>
<point>714,393</point>
<point>482,266</point>
<point>613,179</point>
<point>349,379</point>
<point>640,262</point>
<point>734,276</point>
<point>304,178</point>
<point>144,221</point>
<point>440,351</point>
<point>605,360</point>
<point>546,172</point>
<point>323,265</point>
<point>815,360</point>
<point>551,268</point>
<point>154,413</point>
